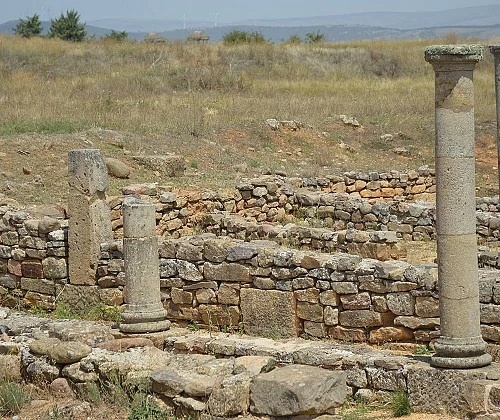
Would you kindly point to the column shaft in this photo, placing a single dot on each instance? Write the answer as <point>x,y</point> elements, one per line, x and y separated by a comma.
<point>460,344</point>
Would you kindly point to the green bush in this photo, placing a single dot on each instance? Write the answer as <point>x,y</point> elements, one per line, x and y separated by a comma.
<point>31,26</point>
<point>243,37</point>
<point>68,27</point>
<point>116,35</point>
<point>315,37</point>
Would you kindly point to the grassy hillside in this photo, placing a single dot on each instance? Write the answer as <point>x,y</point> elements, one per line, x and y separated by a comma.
<point>210,103</point>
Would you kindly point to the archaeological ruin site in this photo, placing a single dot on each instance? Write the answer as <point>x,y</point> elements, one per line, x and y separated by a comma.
<point>228,309</point>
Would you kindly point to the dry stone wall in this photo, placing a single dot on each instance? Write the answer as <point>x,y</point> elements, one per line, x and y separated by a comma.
<point>224,281</point>
<point>279,292</point>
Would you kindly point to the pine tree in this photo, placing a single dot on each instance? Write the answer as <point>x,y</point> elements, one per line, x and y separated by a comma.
<point>31,26</point>
<point>68,27</point>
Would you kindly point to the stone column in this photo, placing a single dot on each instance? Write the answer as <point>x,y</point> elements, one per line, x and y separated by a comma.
<point>89,214</point>
<point>495,50</point>
<point>460,344</point>
<point>144,311</point>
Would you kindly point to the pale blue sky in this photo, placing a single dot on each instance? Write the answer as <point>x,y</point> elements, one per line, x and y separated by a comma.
<point>222,10</point>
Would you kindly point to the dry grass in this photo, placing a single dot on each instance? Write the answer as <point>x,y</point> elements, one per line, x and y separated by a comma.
<point>209,102</point>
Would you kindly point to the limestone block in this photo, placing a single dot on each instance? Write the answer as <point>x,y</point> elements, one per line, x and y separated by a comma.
<point>307,295</point>
<point>387,380</point>
<point>360,318</point>
<point>400,303</point>
<point>87,171</point>
<point>204,296</point>
<point>315,329</point>
<point>426,306</point>
<point>297,389</point>
<point>232,397</point>
<point>54,268</point>
<point>490,314</point>
<point>224,317</point>
<point>180,296</point>
<point>65,352</point>
<point>344,287</point>
<point>347,334</point>
<point>441,390</point>
<point>269,313</point>
<point>388,334</point>
<point>356,301</point>
<point>226,272</point>
<point>228,294</point>
<point>47,287</point>
<point>414,322</point>
<point>310,311</point>
<point>169,165</point>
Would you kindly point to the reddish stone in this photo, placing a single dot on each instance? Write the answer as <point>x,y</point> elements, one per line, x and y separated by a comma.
<point>32,269</point>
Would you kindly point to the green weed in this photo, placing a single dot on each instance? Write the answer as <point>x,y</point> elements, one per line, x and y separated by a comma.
<point>12,398</point>
<point>399,404</point>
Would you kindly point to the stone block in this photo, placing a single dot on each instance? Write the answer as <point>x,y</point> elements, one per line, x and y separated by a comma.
<point>400,303</point>
<point>444,391</point>
<point>315,329</point>
<point>356,301</point>
<point>360,318</point>
<point>426,306</point>
<point>269,313</point>
<point>389,334</point>
<point>310,311</point>
<point>386,380</point>
<point>231,272</point>
<point>297,389</point>
<point>347,334</point>
<point>169,165</point>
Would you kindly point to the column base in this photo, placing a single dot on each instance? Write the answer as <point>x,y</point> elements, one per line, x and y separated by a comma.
<point>145,327</point>
<point>462,353</point>
<point>151,318</point>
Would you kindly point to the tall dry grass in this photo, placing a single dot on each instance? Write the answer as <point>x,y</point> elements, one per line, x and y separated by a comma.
<point>54,86</point>
<point>195,94</point>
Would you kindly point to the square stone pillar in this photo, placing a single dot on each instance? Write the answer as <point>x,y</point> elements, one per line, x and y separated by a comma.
<point>89,214</point>
<point>460,344</point>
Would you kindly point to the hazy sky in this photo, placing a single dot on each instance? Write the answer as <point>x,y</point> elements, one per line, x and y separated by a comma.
<point>222,10</point>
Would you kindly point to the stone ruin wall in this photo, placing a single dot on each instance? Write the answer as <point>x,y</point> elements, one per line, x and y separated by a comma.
<point>222,282</point>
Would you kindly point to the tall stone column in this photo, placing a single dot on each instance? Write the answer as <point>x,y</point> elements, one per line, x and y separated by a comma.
<point>144,311</point>
<point>89,214</point>
<point>460,344</point>
<point>495,50</point>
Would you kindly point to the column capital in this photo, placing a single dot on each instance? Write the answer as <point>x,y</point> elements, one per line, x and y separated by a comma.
<point>449,54</point>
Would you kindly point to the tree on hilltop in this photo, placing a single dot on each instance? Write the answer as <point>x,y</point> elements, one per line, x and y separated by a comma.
<point>31,26</point>
<point>68,27</point>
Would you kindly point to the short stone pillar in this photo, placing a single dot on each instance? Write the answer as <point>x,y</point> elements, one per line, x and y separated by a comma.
<point>144,311</point>
<point>460,344</point>
<point>495,50</point>
<point>89,214</point>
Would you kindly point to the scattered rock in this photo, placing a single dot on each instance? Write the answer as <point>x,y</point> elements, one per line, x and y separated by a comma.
<point>352,121</point>
<point>122,344</point>
<point>117,168</point>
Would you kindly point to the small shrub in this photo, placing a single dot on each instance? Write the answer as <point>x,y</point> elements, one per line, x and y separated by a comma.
<point>400,404</point>
<point>243,37</point>
<point>315,37</point>
<point>143,407</point>
<point>62,311</point>
<point>12,398</point>
<point>116,36</point>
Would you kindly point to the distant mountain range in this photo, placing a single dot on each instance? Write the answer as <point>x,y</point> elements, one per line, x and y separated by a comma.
<point>482,22</point>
